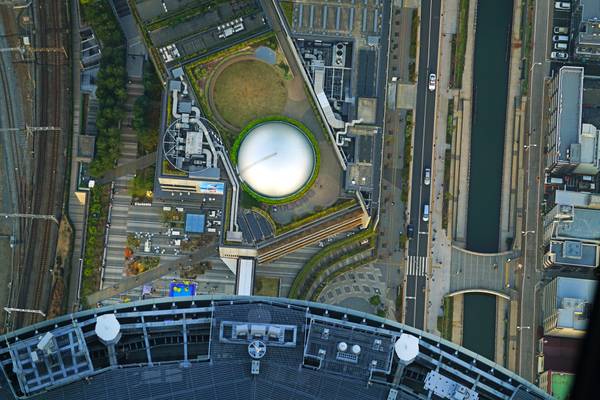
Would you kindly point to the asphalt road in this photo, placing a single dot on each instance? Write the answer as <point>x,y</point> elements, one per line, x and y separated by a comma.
<point>530,307</point>
<point>416,281</point>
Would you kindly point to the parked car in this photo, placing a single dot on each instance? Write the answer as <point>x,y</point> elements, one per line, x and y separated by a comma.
<point>427,176</point>
<point>562,5</point>
<point>560,38</point>
<point>559,55</point>
<point>560,30</point>
<point>432,82</point>
<point>561,46</point>
<point>426,212</point>
<point>410,230</point>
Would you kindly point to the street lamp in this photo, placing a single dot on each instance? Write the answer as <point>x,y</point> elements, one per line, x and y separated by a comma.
<point>523,327</point>
<point>527,232</point>
<point>533,65</point>
<point>527,146</point>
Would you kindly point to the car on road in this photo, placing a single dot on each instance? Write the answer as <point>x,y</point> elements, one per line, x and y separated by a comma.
<point>410,230</point>
<point>432,82</point>
<point>426,212</point>
<point>562,5</point>
<point>561,46</point>
<point>560,30</point>
<point>559,55</point>
<point>560,38</point>
<point>427,176</point>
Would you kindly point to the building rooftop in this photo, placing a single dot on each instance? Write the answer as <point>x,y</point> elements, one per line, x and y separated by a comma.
<point>590,9</point>
<point>584,226</point>
<point>574,253</point>
<point>570,92</point>
<point>571,198</point>
<point>574,298</point>
<point>560,353</point>
<point>241,348</point>
<point>589,34</point>
<point>276,159</point>
<point>574,288</point>
<point>561,385</point>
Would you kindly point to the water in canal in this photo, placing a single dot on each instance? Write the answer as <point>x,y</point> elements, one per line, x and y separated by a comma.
<point>479,327</point>
<point>492,51</point>
<point>492,39</point>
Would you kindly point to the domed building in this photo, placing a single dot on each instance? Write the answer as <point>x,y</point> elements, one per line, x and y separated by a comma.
<point>276,159</point>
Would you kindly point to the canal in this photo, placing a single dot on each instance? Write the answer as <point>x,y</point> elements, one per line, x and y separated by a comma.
<point>490,91</point>
<point>479,328</point>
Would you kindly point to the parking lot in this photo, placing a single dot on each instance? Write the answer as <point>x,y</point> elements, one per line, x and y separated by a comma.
<point>561,22</point>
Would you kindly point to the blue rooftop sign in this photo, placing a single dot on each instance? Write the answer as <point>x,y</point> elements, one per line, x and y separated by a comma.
<point>194,223</point>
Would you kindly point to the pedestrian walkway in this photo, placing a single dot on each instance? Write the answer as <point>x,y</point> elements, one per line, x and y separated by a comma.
<point>417,266</point>
<point>77,203</point>
<point>121,199</point>
<point>127,169</point>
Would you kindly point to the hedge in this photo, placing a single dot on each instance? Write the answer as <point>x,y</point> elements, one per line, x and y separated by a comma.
<point>314,261</point>
<point>279,118</point>
<point>338,272</point>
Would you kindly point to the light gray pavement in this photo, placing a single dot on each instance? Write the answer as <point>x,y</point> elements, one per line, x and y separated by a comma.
<point>170,267</point>
<point>439,272</point>
<point>461,151</point>
<point>478,271</point>
<point>336,266</point>
<point>354,288</point>
<point>287,267</point>
<point>512,134</point>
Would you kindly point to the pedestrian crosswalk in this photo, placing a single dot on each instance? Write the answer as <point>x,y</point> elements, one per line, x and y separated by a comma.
<point>416,266</point>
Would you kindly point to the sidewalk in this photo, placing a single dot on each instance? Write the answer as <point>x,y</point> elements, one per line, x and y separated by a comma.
<point>461,151</point>
<point>513,133</point>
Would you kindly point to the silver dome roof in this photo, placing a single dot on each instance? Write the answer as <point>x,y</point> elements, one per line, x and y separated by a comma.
<point>276,159</point>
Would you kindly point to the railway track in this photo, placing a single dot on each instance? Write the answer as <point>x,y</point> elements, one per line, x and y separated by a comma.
<point>48,163</point>
<point>17,169</point>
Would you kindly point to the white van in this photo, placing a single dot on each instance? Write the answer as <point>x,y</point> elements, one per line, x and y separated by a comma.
<point>426,212</point>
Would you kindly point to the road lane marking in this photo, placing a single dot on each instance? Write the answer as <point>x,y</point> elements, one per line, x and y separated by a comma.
<point>417,266</point>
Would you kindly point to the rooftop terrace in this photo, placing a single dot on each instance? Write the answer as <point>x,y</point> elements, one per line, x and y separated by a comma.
<point>226,347</point>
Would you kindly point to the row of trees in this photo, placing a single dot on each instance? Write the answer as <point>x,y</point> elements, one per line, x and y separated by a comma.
<point>146,112</point>
<point>111,83</point>
<point>96,227</point>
